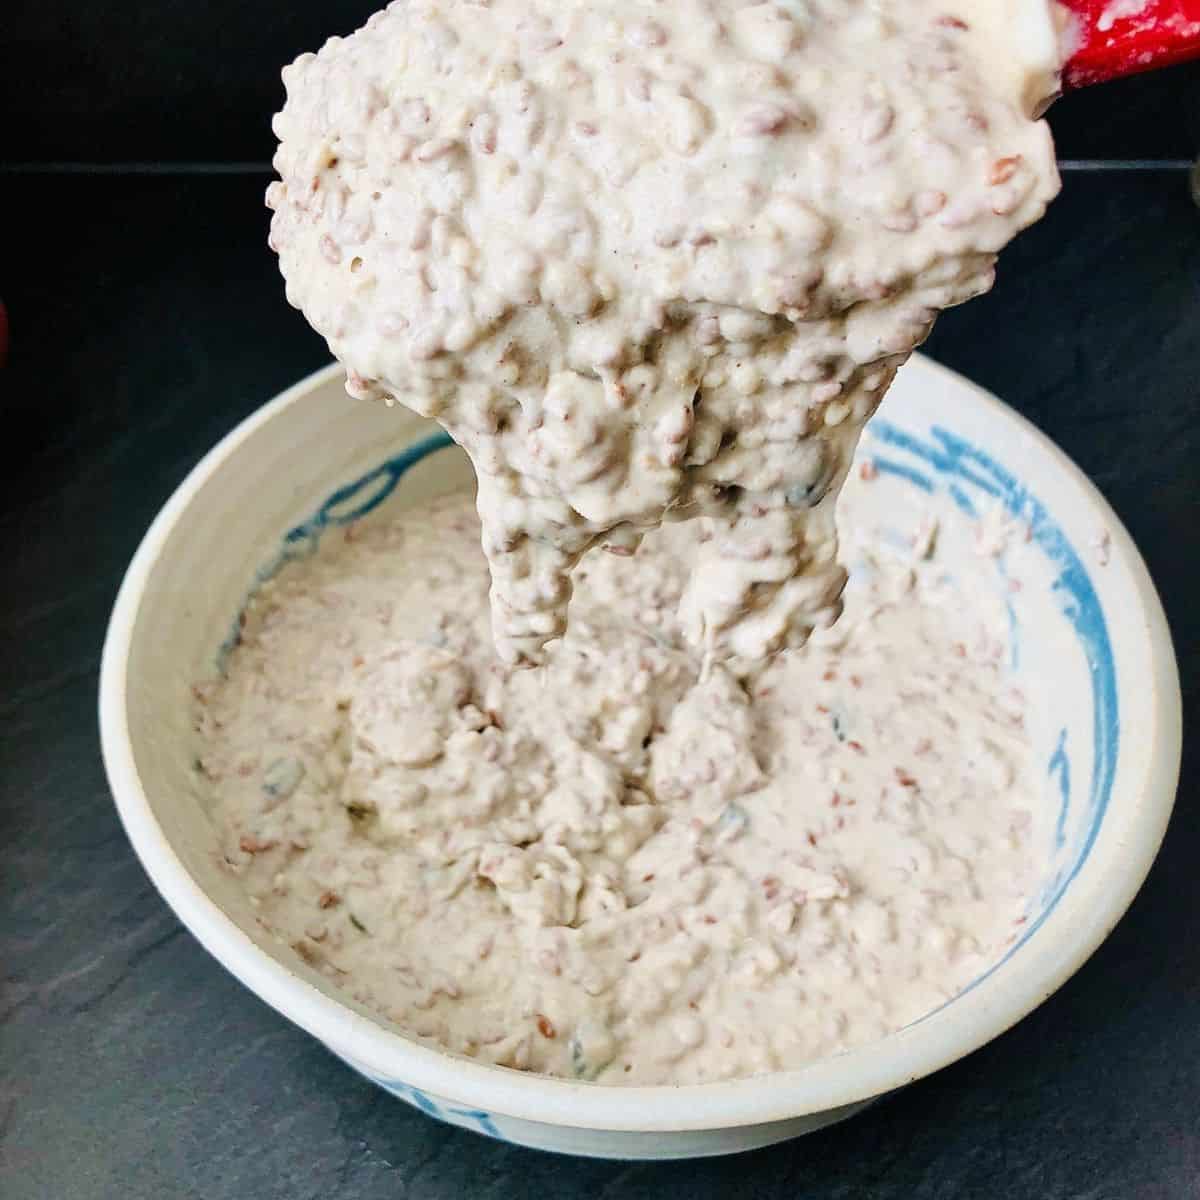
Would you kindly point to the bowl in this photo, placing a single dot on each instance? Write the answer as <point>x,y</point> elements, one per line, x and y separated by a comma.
<point>1090,644</point>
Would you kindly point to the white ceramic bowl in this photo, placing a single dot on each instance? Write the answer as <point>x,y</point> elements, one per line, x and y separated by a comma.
<point>1094,652</point>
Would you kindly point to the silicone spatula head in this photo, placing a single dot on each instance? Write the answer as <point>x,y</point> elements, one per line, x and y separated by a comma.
<point>1107,39</point>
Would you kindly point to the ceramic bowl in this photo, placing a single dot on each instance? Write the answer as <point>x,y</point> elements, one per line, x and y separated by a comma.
<point>1091,647</point>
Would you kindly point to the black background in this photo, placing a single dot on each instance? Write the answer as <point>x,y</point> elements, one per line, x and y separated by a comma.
<point>187,80</point>
<point>148,317</point>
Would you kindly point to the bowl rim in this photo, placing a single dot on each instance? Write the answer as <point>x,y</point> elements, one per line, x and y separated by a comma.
<point>967,1023</point>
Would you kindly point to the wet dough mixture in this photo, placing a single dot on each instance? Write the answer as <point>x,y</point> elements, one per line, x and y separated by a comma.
<point>657,260</point>
<point>645,262</point>
<point>626,866</point>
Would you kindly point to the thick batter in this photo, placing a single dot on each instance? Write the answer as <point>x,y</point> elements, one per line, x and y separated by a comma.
<point>626,866</point>
<point>649,260</point>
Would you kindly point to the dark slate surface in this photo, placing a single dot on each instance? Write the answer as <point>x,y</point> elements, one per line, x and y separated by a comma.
<point>148,317</point>
<point>173,79</point>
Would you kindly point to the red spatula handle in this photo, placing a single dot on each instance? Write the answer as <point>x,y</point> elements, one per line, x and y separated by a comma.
<point>1112,38</point>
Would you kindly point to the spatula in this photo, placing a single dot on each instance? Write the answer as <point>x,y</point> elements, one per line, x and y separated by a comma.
<point>1108,39</point>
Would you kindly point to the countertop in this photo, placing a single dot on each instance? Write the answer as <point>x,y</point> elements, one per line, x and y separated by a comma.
<point>147,318</point>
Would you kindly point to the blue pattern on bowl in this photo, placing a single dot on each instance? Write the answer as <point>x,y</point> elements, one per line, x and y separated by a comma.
<point>472,1118</point>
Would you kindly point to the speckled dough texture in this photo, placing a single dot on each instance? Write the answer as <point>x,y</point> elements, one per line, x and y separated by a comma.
<point>654,260</point>
<point>629,865</point>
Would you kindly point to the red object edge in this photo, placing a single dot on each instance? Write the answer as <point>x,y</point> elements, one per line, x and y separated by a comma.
<point>1114,38</point>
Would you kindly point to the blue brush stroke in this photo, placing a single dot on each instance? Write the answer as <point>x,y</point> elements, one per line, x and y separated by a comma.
<point>1014,636</point>
<point>945,459</point>
<point>962,501</point>
<point>889,466</point>
<point>476,1118</point>
<point>377,484</point>
<point>345,506</point>
<point>964,466</point>
<point>1061,763</point>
